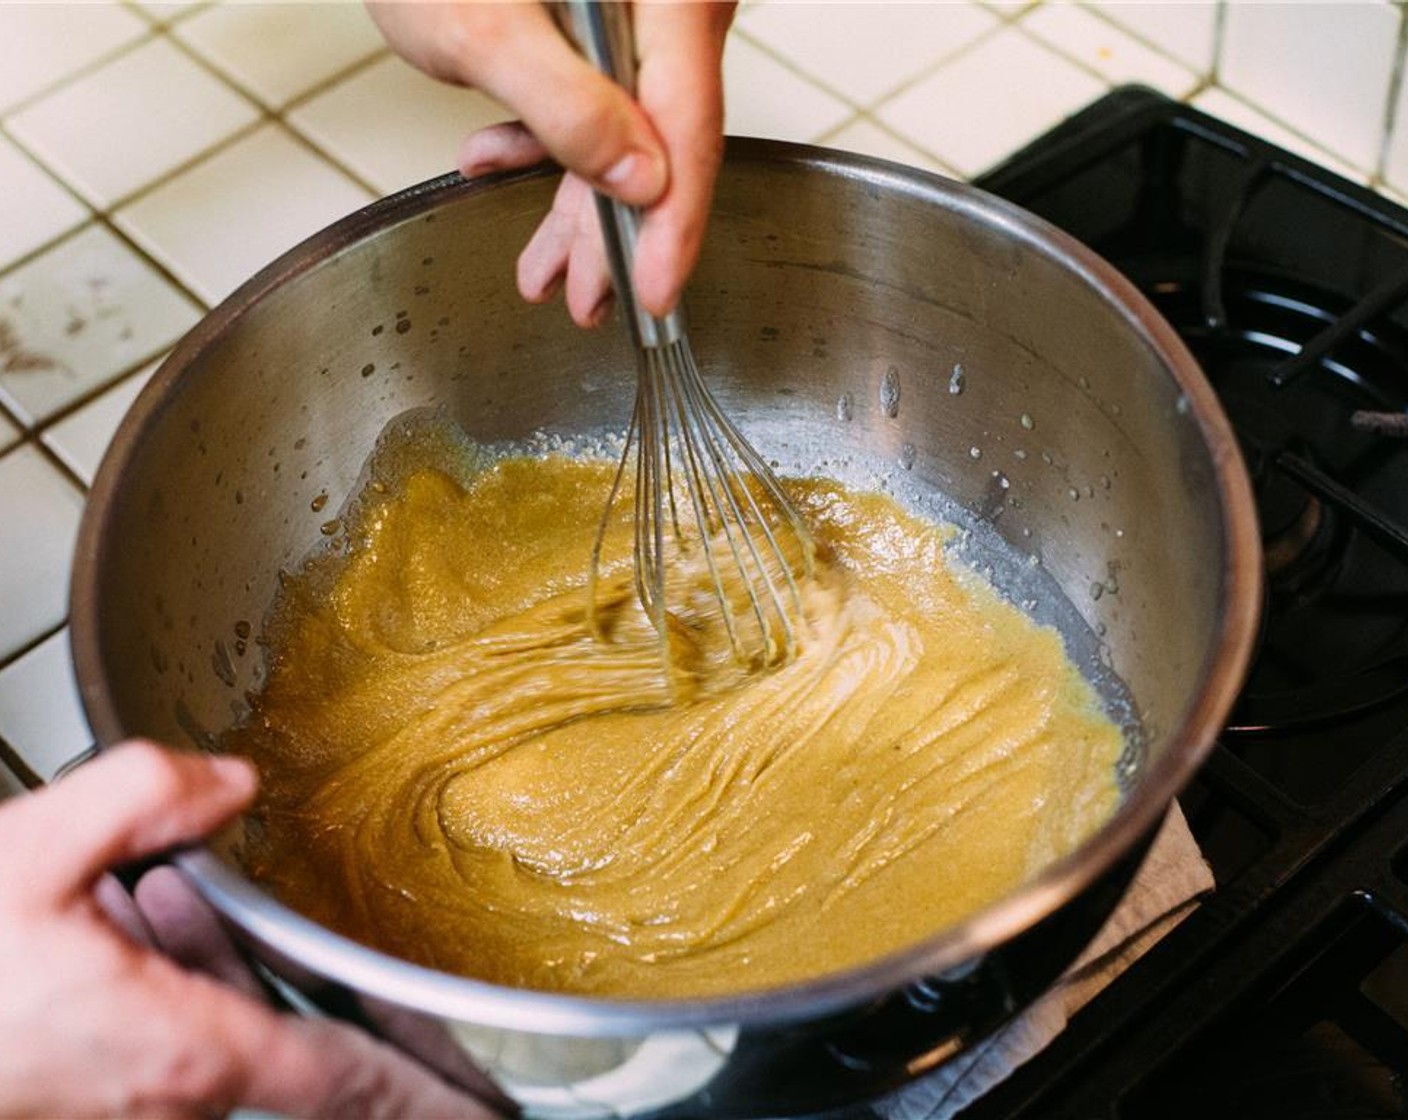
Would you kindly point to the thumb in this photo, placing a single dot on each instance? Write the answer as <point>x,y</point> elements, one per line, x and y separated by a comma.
<point>131,802</point>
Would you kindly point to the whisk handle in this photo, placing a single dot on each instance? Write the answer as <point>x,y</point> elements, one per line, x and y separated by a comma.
<point>603,33</point>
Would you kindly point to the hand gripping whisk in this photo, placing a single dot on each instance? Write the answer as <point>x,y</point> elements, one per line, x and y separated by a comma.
<point>716,537</point>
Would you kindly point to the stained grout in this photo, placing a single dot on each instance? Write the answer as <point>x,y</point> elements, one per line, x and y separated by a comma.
<point>1393,98</point>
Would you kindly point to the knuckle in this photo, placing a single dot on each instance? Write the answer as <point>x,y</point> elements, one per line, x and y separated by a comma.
<point>470,34</point>
<point>359,1080</point>
<point>180,1076</point>
<point>598,126</point>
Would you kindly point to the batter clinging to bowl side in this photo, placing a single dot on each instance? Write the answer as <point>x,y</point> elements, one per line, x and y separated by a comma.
<point>456,771</point>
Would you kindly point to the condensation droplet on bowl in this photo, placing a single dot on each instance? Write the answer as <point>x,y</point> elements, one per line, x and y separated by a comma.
<point>845,407</point>
<point>221,663</point>
<point>1104,482</point>
<point>1002,480</point>
<point>1183,405</point>
<point>1073,494</point>
<point>1097,589</point>
<point>1027,421</point>
<point>975,452</point>
<point>907,454</point>
<point>956,379</point>
<point>890,392</point>
<point>1020,455</point>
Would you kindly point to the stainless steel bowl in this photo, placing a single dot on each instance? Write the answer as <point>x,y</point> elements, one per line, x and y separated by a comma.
<point>868,320</point>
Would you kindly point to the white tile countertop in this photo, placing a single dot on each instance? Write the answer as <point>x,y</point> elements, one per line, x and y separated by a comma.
<point>153,155</point>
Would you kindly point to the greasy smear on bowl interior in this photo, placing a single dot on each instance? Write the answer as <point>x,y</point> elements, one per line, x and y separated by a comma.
<point>458,772</point>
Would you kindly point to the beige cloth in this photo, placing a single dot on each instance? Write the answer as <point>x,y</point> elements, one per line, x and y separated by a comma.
<point>1164,892</point>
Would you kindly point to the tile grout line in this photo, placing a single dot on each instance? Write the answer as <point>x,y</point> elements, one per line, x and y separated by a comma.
<point>1363,173</point>
<point>265,115</point>
<point>40,428</point>
<point>268,114</point>
<point>101,218</point>
<point>1395,90</point>
<point>868,107</point>
<point>62,184</point>
<point>790,66</point>
<point>13,761</point>
<point>68,473</point>
<point>1203,74</point>
<point>862,116</point>
<point>953,56</point>
<point>1219,42</point>
<point>151,33</point>
<point>23,651</point>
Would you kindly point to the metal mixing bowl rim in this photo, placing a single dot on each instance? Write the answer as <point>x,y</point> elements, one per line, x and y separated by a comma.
<point>316,948</point>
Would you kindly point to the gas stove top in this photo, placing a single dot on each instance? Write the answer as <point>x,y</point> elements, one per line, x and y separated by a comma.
<point>1286,994</point>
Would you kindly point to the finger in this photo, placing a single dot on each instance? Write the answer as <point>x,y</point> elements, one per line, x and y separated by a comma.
<point>122,911</point>
<point>500,147</point>
<point>587,122</point>
<point>680,86</point>
<point>302,1067</point>
<point>202,1049</point>
<point>131,802</point>
<point>331,1070</point>
<point>542,265</point>
<point>588,291</point>
<point>434,1046</point>
<point>187,930</point>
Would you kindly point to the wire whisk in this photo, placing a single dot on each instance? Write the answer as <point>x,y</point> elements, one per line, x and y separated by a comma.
<point>716,537</point>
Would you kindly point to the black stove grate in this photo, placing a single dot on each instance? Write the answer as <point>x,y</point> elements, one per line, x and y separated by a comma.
<point>1286,993</point>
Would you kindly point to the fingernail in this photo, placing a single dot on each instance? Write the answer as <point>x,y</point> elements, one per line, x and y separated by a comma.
<point>637,173</point>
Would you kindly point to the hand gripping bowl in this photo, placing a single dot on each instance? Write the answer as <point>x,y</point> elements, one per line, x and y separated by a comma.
<point>874,322</point>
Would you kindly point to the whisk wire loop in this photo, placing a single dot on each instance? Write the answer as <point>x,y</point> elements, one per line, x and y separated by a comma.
<point>730,510</point>
<point>704,501</point>
<point>707,431</point>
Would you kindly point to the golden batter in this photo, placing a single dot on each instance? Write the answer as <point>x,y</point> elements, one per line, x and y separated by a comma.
<point>457,772</point>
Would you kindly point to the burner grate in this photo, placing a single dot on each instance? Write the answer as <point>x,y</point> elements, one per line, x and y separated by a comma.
<point>1286,993</point>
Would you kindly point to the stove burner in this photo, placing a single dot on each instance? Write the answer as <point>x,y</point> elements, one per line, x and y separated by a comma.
<point>1302,549</point>
<point>1331,490</point>
<point>1301,538</point>
<point>1332,423</point>
<point>1286,993</point>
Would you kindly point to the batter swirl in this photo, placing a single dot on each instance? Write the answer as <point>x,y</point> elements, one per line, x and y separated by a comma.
<point>457,772</point>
